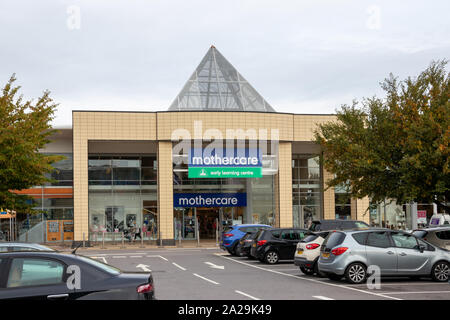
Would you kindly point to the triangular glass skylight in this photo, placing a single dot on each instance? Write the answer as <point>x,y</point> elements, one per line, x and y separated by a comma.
<point>217,85</point>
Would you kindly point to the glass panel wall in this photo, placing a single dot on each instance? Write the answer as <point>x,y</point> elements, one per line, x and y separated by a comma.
<point>123,197</point>
<point>306,189</point>
<point>342,202</point>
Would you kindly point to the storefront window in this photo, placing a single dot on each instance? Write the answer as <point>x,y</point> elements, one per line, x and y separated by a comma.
<point>342,202</point>
<point>122,197</point>
<point>306,191</point>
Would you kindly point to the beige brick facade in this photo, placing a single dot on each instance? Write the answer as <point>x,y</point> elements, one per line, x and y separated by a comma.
<point>285,184</point>
<point>328,197</point>
<point>158,127</point>
<point>359,209</point>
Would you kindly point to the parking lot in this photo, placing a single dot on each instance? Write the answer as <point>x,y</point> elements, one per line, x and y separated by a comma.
<point>210,273</point>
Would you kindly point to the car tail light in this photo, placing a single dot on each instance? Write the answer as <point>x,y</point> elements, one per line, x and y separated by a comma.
<point>145,288</point>
<point>339,251</point>
<point>312,246</point>
<point>227,235</point>
<point>261,242</point>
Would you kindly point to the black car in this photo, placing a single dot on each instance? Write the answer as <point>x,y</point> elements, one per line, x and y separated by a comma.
<point>244,245</point>
<point>58,276</point>
<point>273,245</point>
<point>337,224</point>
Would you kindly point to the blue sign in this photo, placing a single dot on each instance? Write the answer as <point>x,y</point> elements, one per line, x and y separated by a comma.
<point>209,200</point>
<point>236,157</point>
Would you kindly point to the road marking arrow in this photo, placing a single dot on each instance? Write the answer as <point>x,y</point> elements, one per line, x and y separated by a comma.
<point>144,267</point>
<point>212,265</point>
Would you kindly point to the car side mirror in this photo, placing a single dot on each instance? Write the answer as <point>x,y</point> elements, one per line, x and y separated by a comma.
<point>421,248</point>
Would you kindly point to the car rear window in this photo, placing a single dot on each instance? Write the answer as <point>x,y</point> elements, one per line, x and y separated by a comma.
<point>360,224</point>
<point>227,229</point>
<point>310,237</point>
<point>360,237</point>
<point>334,239</point>
<point>420,233</point>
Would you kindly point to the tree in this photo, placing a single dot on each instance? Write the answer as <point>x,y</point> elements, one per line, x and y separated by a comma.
<point>24,129</point>
<point>397,147</point>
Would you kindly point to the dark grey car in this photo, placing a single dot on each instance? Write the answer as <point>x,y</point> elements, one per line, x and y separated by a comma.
<point>57,276</point>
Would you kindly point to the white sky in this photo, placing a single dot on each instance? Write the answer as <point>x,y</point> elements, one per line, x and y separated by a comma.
<point>301,56</point>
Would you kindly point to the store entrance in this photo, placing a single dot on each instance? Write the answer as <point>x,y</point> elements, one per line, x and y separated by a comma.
<point>208,220</point>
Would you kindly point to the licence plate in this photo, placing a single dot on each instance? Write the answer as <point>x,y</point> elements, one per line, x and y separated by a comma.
<point>300,251</point>
<point>326,254</point>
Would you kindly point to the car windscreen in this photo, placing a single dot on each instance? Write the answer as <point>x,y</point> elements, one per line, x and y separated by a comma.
<point>420,233</point>
<point>333,240</point>
<point>100,265</point>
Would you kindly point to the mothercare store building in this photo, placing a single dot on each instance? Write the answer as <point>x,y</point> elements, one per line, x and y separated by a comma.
<point>219,155</point>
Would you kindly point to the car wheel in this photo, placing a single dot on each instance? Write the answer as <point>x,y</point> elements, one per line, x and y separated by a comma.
<point>229,251</point>
<point>440,271</point>
<point>307,271</point>
<point>356,273</point>
<point>238,251</point>
<point>271,257</point>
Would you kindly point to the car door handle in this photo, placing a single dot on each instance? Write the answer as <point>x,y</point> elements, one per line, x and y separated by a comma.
<point>58,296</point>
<point>390,252</point>
<point>403,254</point>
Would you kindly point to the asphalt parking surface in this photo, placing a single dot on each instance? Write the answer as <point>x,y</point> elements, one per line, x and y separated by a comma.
<point>210,273</point>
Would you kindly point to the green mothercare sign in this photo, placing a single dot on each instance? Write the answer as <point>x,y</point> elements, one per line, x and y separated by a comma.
<point>223,172</point>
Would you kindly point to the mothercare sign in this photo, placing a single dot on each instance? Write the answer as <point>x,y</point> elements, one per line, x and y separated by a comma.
<point>227,163</point>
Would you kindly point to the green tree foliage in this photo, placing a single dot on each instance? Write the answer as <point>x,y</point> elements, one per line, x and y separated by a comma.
<point>24,129</point>
<point>396,147</point>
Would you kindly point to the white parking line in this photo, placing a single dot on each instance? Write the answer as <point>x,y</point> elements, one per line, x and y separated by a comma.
<point>163,258</point>
<point>312,280</point>
<point>178,266</point>
<point>118,257</point>
<point>322,298</point>
<point>417,292</point>
<point>205,278</point>
<point>247,295</point>
<point>135,256</point>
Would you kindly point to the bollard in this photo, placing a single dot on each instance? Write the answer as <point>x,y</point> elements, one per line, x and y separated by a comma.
<point>84,245</point>
<point>26,236</point>
<point>142,239</point>
<point>62,237</point>
<point>179,238</point>
<point>103,240</point>
<point>217,233</point>
<point>113,238</point>
<point>123,244</point>
<point>160,239</point>
<point>198,237</point>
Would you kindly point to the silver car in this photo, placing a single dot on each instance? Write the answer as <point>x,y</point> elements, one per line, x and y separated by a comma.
<point>349,253</point>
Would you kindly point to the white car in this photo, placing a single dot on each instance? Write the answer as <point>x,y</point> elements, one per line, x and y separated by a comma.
<point>439,220</point>
<point>308,252</point>
<point>439,236</point>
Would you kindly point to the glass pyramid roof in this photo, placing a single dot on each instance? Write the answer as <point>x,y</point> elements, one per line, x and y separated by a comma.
<point>217,85</point>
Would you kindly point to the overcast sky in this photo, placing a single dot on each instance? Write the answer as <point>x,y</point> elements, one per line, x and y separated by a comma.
<point>301,56</point>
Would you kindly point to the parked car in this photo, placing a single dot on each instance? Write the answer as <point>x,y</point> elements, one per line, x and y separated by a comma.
<point>439,236</point>
<point>273,245</point>
<point>232,235</point>
<point>45,276</point>
<point>241,249</point>
<point>349,253</point>
<point>337,224</point>
<point>308,252</point>
<point>18,246</point>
